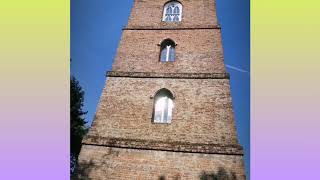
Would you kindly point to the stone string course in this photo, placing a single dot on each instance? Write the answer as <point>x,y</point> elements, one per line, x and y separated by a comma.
<point>169,75</point>
<point>164,146</point>
<point>173,28</point>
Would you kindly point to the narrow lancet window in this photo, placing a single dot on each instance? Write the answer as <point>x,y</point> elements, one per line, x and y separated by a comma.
<point>167,53</point>
<point>163,106</point>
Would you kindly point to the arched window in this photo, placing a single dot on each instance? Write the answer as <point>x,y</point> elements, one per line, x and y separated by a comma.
<point>172,12</point>
<point>167,53</point>
<point>163,105</point>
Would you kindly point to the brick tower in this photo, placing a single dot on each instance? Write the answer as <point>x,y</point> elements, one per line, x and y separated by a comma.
<point>166,110</point>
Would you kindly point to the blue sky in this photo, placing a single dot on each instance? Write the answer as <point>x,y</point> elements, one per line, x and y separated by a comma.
<point>95,34</point>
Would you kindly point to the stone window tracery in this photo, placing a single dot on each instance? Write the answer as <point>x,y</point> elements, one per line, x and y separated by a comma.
<point>172,12</point>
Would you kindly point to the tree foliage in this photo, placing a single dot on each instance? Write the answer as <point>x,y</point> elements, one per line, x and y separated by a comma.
<point>78,123</point>
<point>222,174</point>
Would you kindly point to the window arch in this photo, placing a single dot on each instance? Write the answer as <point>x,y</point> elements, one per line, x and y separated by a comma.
<point>172,12</point>
<point>168,52</point>
<point>163,105</point>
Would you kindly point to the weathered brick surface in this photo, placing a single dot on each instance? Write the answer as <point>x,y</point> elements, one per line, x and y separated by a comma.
<point>202,110</point>
<point>124,143</point>
<point>104,163</point>
<point>196,51</point>
<point>196,13</point>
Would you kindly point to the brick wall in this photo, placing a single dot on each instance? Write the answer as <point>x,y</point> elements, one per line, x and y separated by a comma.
<point>123,143</point>
<point>196,13</point>
<point>202,110</point>
<point>115,163</point>
<point>196,51</point>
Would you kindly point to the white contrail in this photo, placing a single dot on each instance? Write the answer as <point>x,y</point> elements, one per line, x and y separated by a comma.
<point>237,69</point>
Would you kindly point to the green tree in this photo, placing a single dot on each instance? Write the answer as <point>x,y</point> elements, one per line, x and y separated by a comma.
<point>77,121</point>
<point>222,174</point>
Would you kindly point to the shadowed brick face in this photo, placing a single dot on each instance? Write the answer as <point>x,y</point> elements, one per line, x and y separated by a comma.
<point>201,140</point>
